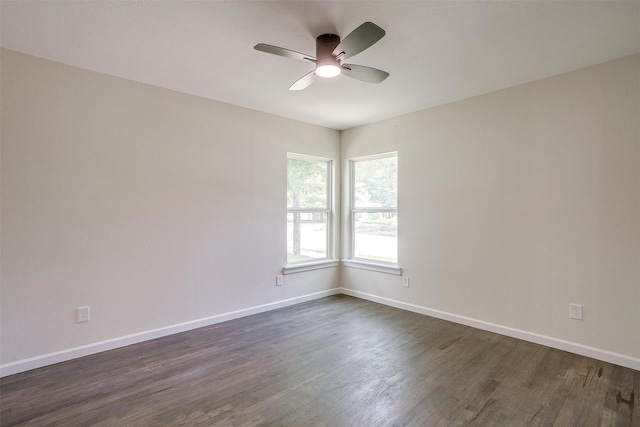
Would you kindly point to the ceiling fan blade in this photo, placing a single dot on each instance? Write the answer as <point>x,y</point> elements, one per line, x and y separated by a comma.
<point>366,74</point>
<point>304,82</point>
<point>359,39</point>
<point>280,51</point>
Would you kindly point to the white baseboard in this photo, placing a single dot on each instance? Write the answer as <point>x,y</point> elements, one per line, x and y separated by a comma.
<point>85,350</point>
<point>76,352</point>
<point>572,347</point>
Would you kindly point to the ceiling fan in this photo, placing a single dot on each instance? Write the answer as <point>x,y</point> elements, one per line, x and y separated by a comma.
<point>330,52</point>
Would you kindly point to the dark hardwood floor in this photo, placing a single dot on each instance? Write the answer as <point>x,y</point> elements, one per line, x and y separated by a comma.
<point>337,361</point>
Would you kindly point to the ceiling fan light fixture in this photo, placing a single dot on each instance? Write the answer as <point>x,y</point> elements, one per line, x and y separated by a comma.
<point>328,70</point>
<point>328,67</point>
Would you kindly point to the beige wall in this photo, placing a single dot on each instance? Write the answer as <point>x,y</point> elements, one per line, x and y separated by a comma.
<point>516,203</point>
<point>156,208</point>
<point>151,206</point>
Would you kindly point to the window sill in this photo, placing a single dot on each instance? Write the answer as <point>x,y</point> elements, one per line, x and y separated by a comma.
<point>299,268</point>
<point>364,265</point>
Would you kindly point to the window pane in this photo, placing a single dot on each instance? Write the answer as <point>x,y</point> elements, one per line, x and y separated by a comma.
<point>306,236</point>
<point>376,236</point>
<point>307,184</point>
<point>375,183</point>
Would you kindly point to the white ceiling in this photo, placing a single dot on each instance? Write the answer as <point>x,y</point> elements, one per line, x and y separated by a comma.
<point>435,51</point>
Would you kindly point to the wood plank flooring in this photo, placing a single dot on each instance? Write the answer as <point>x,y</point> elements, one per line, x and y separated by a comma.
<point>337,361</point>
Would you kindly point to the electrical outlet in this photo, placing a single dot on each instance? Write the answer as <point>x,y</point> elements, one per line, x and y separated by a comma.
<point>405,281</point>
<point>279,279</point>
<point>575,311</point>
<point>83,314</point>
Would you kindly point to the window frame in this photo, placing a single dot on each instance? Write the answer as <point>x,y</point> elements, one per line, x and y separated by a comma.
<point>295,266</point>
<point>359,262</point>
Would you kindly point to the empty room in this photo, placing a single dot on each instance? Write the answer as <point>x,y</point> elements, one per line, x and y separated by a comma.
<point>322,213</point>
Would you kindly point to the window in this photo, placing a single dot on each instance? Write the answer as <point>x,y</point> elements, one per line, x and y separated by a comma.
<point>308,209</point>
<point>374,209</point>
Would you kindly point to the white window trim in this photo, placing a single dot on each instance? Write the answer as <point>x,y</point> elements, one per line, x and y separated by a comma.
<point>365,263</point>
<point>328,261</point>
<point>309,266</point>
<point>372,266</point>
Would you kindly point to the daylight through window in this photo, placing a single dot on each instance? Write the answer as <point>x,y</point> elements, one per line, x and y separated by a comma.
<point>308,209</point>
<point>374,209</point>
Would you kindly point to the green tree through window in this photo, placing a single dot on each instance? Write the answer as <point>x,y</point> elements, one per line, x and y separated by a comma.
<point>374,209</point>
<point>308,208</point>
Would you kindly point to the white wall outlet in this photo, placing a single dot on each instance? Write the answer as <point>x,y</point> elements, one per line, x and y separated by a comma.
<point>575,311</point>
<point>279,280</point>
<point>83,314</point>
<point>405,281</point>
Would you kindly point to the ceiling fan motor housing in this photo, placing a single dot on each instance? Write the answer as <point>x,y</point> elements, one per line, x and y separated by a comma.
<point>325,44</point>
